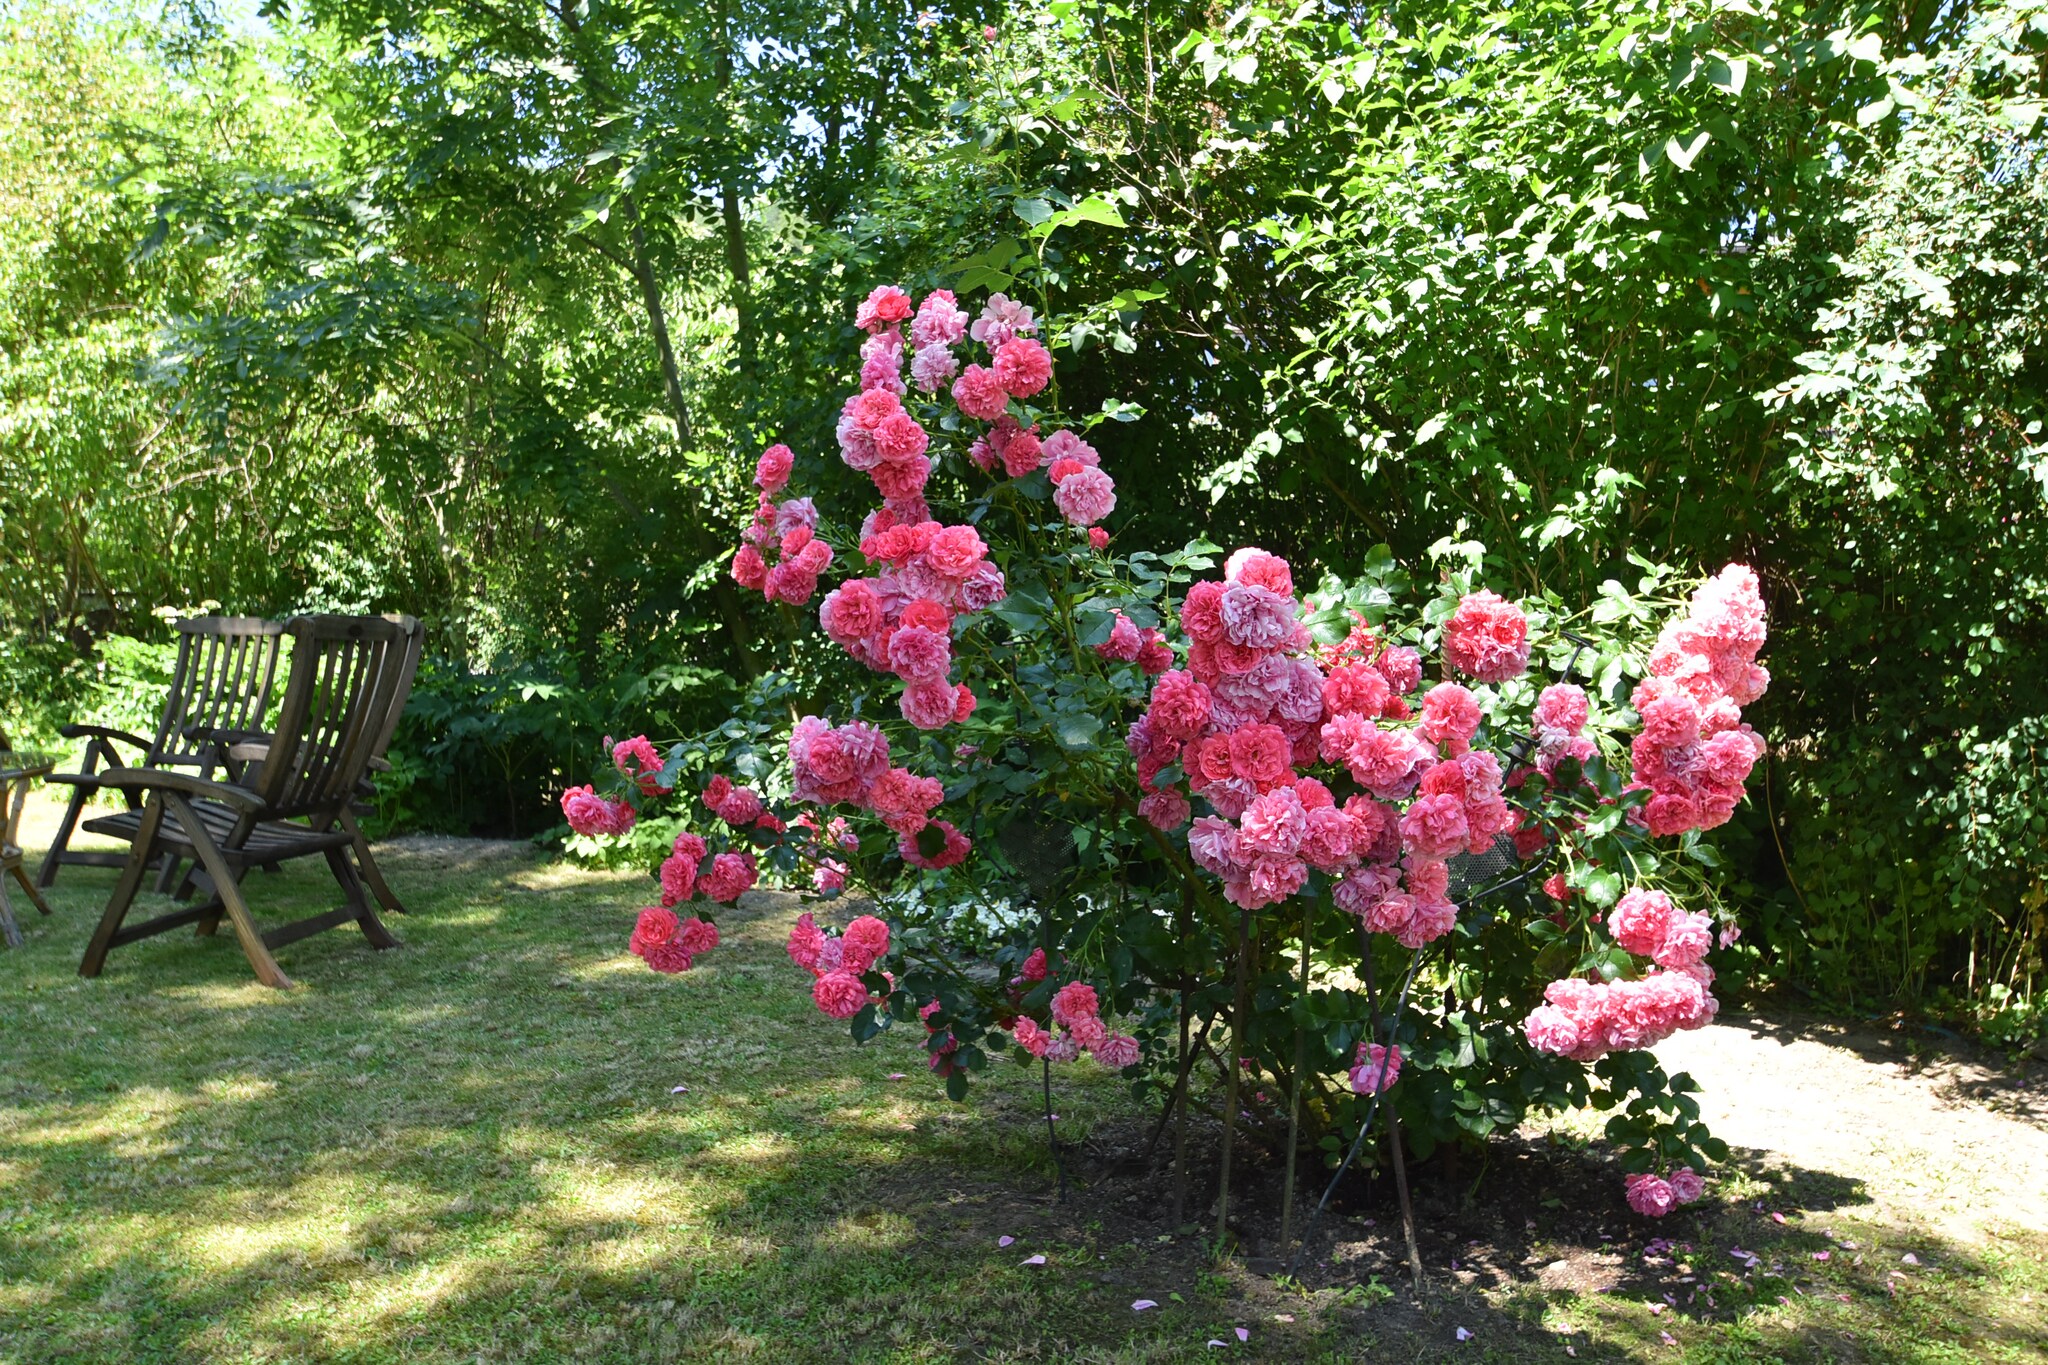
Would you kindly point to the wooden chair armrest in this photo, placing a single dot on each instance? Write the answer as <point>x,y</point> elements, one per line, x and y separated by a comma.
<point>249,752</point>
<point>103,732</point>
<point>380,765</point>
<point>97,779</point>
<point>184,784</point>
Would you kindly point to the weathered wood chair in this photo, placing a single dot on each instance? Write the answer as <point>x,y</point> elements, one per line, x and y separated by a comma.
<point>366,862</point>
<point>285,803</point>
<point>222,682</point>
<point>359,846</point>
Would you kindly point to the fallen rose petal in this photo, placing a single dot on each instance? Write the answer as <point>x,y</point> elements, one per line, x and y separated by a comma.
<point>1822,1255</point>
<point>894,1076</point>
<point>1214,1342</point>
<point>1244,1333</point>
<point>680,1090</point>
<point>1910,1259</point>
<point>1005,1240</point>
<point>1032,1260</point>
<point>1669,1340</point>
<point>1140,1305</point>
<point>1283,1317</point>
<point>1464,1335</point>
<point>1777,1217</point>
<point>1657,1309</point>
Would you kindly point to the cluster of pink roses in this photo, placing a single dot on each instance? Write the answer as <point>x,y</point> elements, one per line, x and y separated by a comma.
<point>669,945</point>
<point>1585,1020</point>
<point>1653,1196</point>
<point>849,765</point>
<point>594,816</point>
<point>639,763</point>
<point>901,620</point>
<point>1254,706</point>
<point>837,962</point>
<point>788,528</point>
<point>1694,752</point>
<point>1077,1012</point>
<point>1128,644</point>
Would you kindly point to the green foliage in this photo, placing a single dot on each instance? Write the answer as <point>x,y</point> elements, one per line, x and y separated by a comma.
<point>363,310</point>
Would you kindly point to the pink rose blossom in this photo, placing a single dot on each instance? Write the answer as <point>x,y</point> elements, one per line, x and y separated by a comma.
<point>1075,1001</point>
<point>980,394</point>
<point>1117,1050</point>
<point>1686,1184</point>
<point>749,570</point>
<point>928,703</point>
<point>933,367</point>
<point>1402,668</point>
<point>839,994</point>
<point>771,471</point>
<point>1375,1068</point>
<point>939,321</point>
<point>899,439</point>
<point>1435,826</point>
<point>865,942</point>
<point>697,936</point>
<point>1166,809</point>
<point>916,654</point>
<point>1450,714</point>
<point>806,941</point>
<point>1640,920</point>
<point>953,847</point>
<point>1023,367</point>
<point>731,876</point>
<point>1487,638</point>
<point>1086,497</point>
<point>1002,317</point>
<point>1650,1195</point>
<point>1561,706</point>
<point>956,551</point>
<point>884,307</point>
<point>655,927</point>
<point>678,878</point>
<point>1030,1036</point>
<point>669,958</point>
<point>592,815</point>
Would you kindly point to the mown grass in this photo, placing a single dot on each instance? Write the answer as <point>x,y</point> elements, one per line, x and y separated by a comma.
<point>469,1149</point>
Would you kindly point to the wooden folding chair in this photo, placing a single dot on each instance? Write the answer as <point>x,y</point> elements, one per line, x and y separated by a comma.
<point>221,683</point>
<point>285,804</point>
<point>359,846</point>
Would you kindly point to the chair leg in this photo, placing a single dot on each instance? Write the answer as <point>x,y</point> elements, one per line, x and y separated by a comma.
<point>46,875</point>
<point>229,890</point>
<point>166,877</point>
<point>35,897</point>
<point>372,875</point>
<point>9,930</point>
<point>124,890</point>
<point>366,914</point>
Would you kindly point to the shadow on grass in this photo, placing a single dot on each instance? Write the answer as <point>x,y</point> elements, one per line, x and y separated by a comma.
<point>469,1149</point>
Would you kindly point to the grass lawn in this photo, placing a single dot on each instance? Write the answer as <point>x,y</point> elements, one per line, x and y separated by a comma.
<point>474,1148</point>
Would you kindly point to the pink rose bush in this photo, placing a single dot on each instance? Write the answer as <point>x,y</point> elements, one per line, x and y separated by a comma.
<point>1071,788</point>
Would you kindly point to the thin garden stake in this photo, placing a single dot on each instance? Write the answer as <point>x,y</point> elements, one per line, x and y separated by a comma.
<point>1052,1139</point>
<point>1371,1111</point>
<point>1394,1135</point>
<point>1180,1127</point>
<point>1294,1094</point>
<point>1230,1084</point>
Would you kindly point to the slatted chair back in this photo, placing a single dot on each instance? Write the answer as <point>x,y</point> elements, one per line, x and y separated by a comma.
<point>409,667</point>
<point>222,682</point>
<point>346,671</point>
